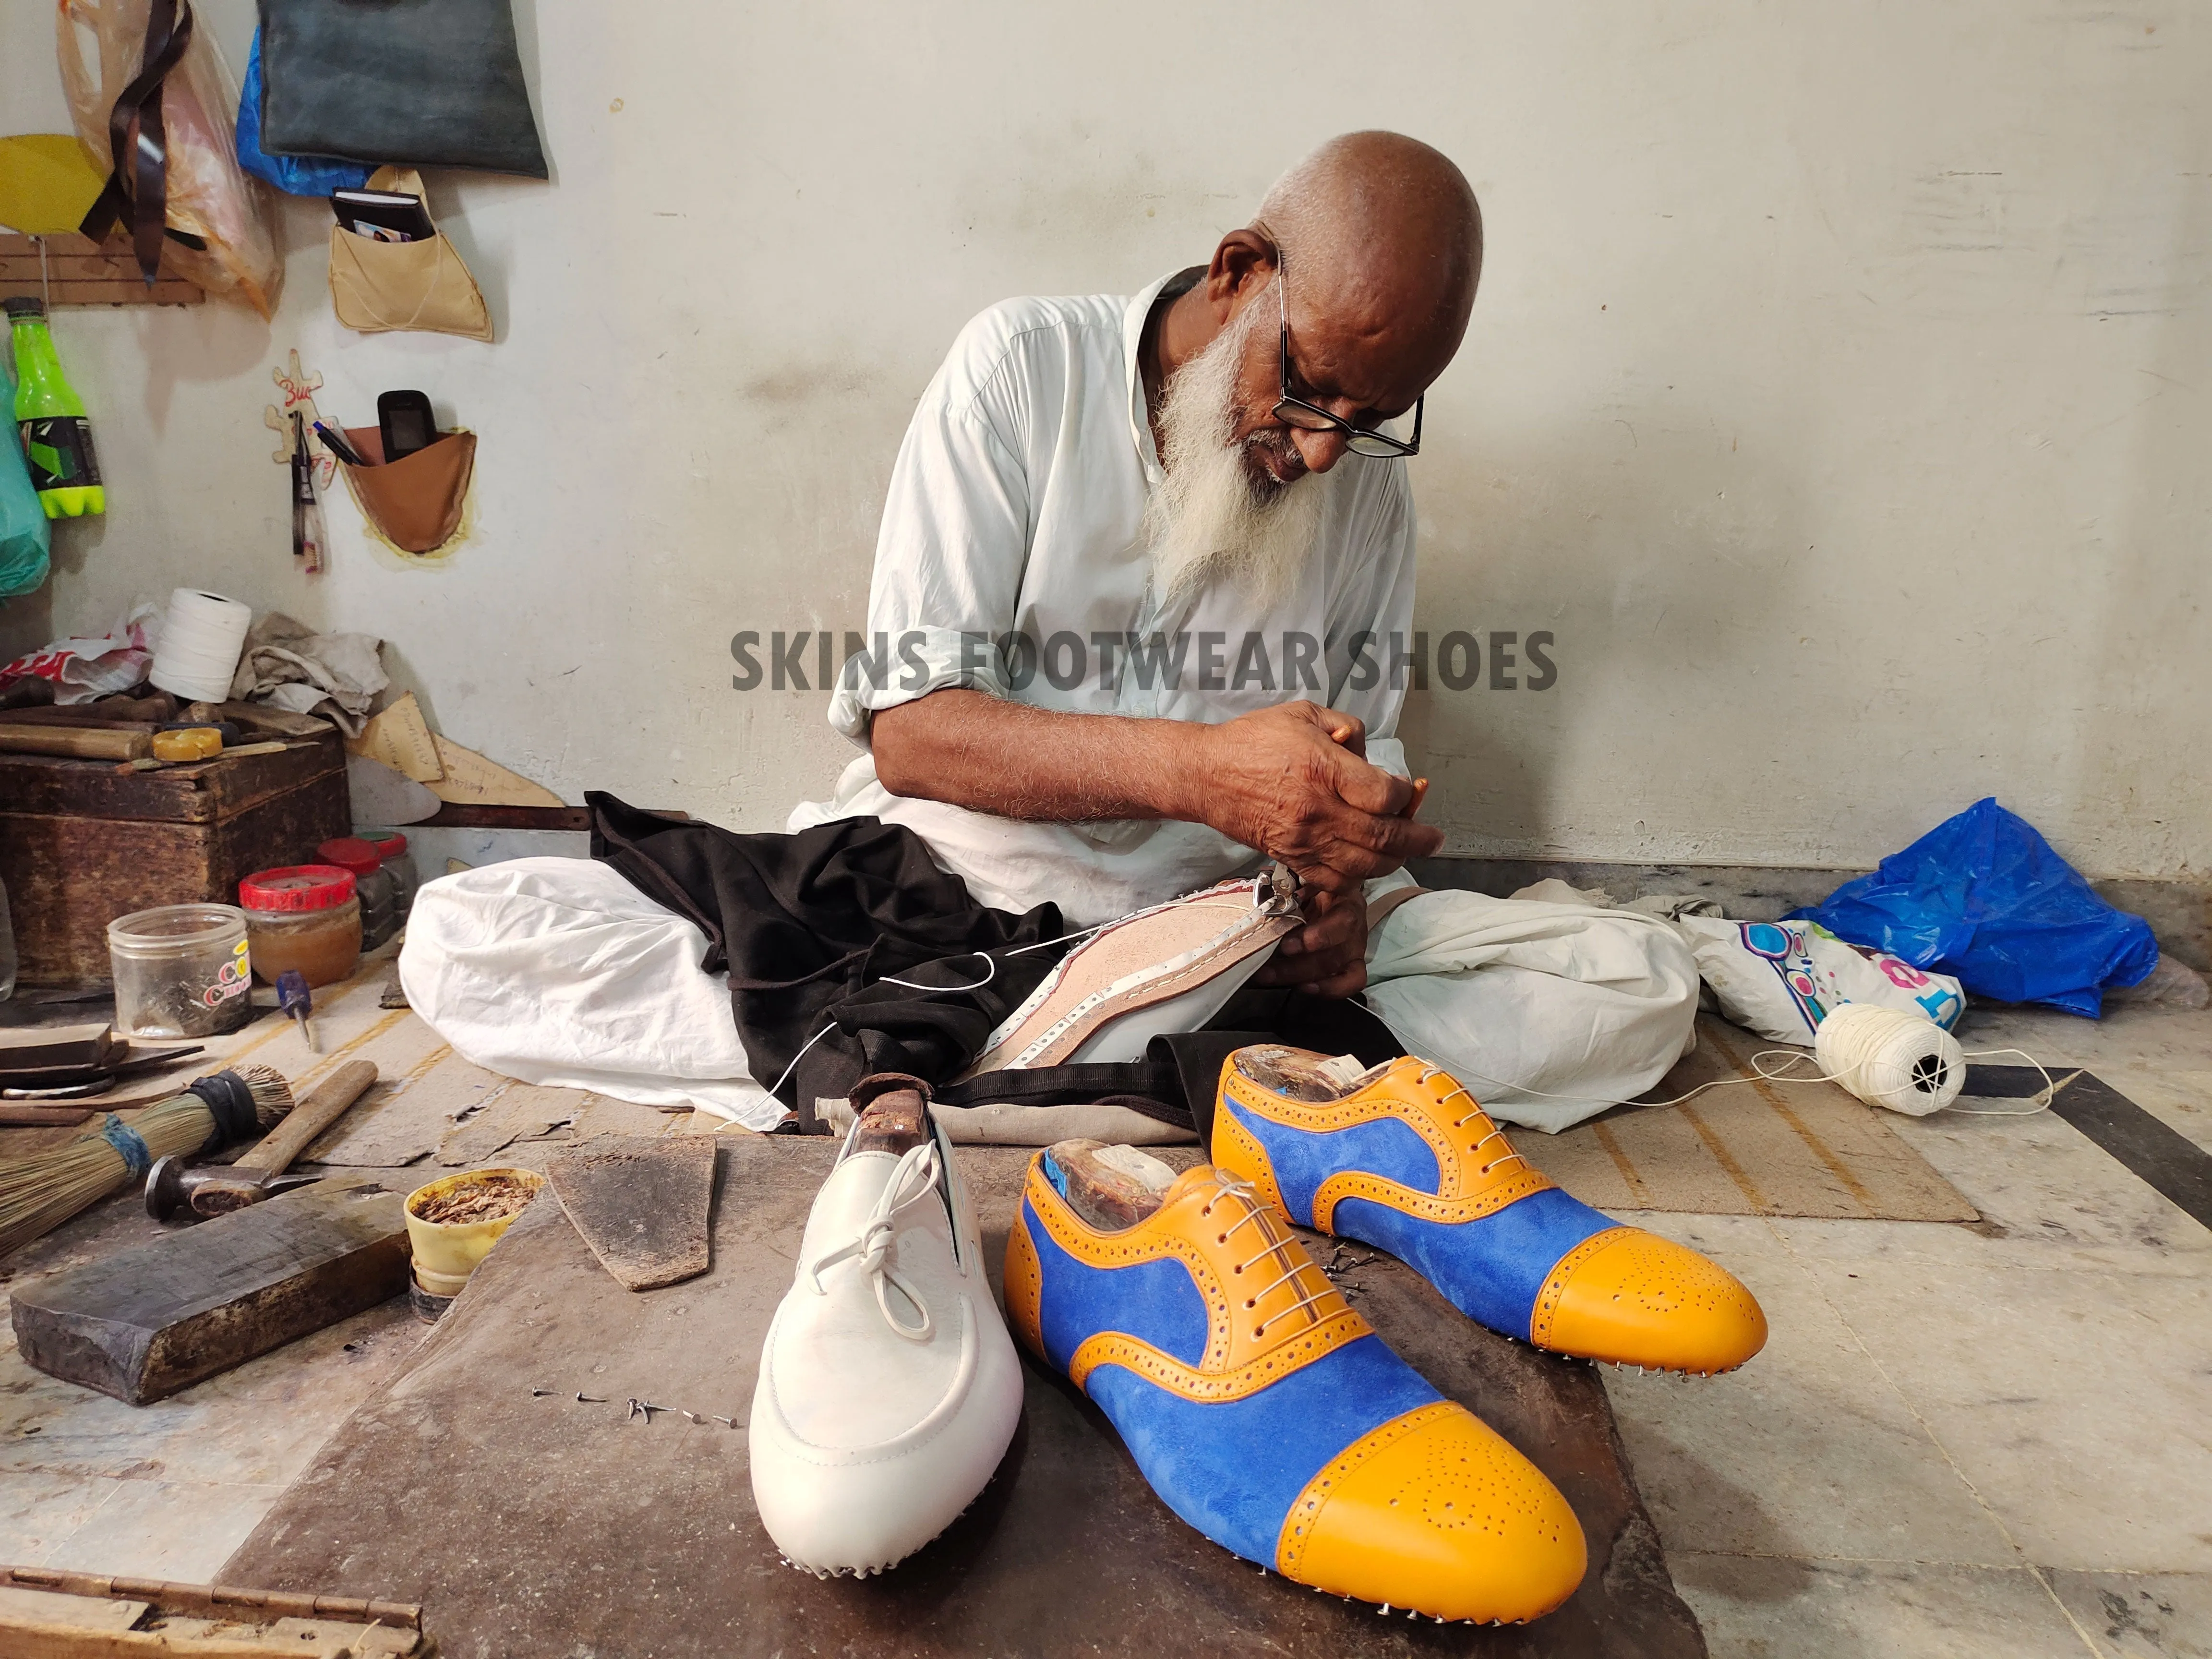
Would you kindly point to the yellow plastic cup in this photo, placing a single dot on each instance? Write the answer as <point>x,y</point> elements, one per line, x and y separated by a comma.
<point>448,1253</point>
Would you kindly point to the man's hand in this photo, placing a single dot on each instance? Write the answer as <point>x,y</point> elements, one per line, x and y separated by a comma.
<point>1293,782</point>
<point>1327,957</point>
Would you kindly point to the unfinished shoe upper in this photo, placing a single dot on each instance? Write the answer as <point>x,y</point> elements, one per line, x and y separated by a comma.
<point>1400,1156</point>
<point>888,1388</point>
<point>1268,1413</point>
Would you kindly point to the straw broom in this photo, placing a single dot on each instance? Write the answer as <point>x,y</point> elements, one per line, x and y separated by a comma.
<point>39,1193</point>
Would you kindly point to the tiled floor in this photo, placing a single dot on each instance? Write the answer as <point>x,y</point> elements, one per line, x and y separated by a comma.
<point>1993,1439</point>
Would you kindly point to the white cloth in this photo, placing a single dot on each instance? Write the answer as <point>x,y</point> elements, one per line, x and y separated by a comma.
<point>556,970</point>
<point>1548,1012</point>
<point>1017,506</point>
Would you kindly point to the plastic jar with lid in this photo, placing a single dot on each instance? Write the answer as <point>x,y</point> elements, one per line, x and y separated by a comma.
<point>391,846</point>
<point>380,893</point>
<point>182,970</point>
<point>306,916</point>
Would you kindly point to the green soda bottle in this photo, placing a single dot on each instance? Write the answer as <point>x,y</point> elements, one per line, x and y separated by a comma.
<point>57,437</point>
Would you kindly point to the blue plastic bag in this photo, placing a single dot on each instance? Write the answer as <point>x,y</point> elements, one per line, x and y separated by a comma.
<point>24,532</point>
<point>296,175</point>
<point>1982,896</point>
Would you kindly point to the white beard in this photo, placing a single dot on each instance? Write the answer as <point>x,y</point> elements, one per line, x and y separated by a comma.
<point>1205,522</point>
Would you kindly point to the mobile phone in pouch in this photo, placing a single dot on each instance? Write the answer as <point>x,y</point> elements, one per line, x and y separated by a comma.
<point>402,420</point>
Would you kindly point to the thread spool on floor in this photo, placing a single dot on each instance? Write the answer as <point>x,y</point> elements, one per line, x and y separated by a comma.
<point>1888,1058</point>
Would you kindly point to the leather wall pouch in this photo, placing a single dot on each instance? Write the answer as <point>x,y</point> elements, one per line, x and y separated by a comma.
<point>416,503</point>
<point>421,285</point>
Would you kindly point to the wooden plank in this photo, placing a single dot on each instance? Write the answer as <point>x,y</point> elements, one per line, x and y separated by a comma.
<point>146,1321</point>
<point>642,1204</point>
<point>79,272</point>
<point>1067,1551</point>
<point>39,1607</point>
<point>170,1596</point>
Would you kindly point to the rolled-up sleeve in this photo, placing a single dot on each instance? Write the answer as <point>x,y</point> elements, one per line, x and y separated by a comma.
<point>949,558</point>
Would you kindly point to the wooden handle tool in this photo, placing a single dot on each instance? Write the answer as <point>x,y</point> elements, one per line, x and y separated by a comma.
<point>326,1103</point>
<point>84,743</point>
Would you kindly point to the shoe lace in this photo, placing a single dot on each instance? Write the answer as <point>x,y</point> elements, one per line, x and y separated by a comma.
<point>1303,1275</point>
<point>1474,1114</point>
<point>913,1180</point>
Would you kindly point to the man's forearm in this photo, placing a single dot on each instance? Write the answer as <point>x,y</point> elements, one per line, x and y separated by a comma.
<point>976,751</point>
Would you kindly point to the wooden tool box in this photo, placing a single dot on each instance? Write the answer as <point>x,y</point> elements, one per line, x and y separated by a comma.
<point>81,844</point>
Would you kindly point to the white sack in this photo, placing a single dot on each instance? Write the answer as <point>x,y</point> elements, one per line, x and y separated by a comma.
<point>556,970</point>
<point>1548,1012</point>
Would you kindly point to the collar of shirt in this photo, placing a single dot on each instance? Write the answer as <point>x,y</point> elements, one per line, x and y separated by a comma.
<point>1133,335</point>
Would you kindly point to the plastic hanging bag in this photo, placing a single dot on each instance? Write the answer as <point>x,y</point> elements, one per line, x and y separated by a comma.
<point>296,175</point>
<point>211,198</point>
<point>1983,896</point>
<point>24,535</point>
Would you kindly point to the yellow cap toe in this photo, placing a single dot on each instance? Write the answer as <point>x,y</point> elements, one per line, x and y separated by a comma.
<point>1637,1299</point>
<point>1433,1512</point>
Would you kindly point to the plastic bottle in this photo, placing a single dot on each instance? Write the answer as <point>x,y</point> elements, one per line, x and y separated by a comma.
<point>57,437</point>
<point>23,533</point>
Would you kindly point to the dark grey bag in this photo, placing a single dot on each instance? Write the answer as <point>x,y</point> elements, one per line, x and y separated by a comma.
<point>420,83</point>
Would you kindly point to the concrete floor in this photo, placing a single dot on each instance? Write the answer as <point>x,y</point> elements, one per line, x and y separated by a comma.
<point>1963,1440</point>
<point>1986,1440</point>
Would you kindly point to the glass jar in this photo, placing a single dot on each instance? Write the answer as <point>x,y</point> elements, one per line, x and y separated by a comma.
<point>392,848</point>
<point>182,970</point>
<point>306,916</point>
<point>378,893</point>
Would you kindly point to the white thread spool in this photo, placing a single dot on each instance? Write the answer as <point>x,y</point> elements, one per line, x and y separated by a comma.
<point>1887,1057</point>
<point>201,642</point>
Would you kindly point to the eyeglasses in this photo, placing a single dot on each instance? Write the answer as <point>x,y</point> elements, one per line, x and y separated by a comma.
<point>1294,411</point>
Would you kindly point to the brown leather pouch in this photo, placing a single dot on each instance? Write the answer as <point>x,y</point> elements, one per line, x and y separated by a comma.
<point>416,503</point>
<point>421,285</point>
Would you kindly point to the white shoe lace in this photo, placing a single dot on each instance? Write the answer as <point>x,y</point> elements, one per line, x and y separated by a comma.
<point>914,1179</point>
<point>1284,1246</point>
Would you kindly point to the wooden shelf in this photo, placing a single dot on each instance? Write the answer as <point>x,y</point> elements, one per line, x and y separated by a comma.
<point>83,272</point>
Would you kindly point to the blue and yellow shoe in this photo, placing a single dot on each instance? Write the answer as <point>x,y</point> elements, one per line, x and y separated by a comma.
<point>1263,1410</point>
<point>1400,1156</point>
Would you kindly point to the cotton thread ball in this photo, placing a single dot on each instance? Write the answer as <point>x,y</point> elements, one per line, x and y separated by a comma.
<point>1887,1057</point>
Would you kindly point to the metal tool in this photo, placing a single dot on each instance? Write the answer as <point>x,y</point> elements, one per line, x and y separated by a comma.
<point>172,1185</point>
<point>291,998</point>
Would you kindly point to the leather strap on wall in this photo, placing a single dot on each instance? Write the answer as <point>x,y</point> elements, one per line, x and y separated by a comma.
<point>139,145</point>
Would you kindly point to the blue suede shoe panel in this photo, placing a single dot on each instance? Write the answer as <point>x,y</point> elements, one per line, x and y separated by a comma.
<point>1232,1469</point>
<point>1388,1147</point>
<point>1156,1302</point>
<point>1492,1269</point>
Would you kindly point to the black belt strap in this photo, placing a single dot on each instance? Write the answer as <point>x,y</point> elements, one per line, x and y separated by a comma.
<point>139,145</point>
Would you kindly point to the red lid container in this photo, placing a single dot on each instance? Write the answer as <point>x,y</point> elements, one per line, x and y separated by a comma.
<point>349,852</point>
<point>297,887</point>
<point>388,848</point>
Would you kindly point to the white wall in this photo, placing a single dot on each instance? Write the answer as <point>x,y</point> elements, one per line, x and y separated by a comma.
<point>1837,393</point>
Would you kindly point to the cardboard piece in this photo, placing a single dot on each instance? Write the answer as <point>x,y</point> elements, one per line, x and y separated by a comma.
<point>399,738</point>
<point>469,780</point>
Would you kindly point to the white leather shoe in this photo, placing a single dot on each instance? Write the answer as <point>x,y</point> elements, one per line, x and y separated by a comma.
<point>888,1388</point>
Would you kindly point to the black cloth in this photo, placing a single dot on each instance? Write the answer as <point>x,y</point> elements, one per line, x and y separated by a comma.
<point>809,925</point>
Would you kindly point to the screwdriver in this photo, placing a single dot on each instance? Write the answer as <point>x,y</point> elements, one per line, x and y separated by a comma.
<point>291,998</point>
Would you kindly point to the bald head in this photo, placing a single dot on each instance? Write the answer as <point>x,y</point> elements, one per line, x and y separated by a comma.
<point>1368,249</point>
<point>1381,222</point>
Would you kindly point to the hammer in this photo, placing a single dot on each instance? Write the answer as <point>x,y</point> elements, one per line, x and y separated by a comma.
<point>219,1189</point>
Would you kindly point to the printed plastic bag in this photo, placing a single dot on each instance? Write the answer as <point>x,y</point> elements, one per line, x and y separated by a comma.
<point>1983,896</point>
<point>296,175</point>
<point>209,197</point>
<point>24,532</point>
<point>84,669</point>
<point>1781,978</point>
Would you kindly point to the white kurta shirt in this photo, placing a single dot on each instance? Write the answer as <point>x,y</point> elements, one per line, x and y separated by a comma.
<point>1016,507</point>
